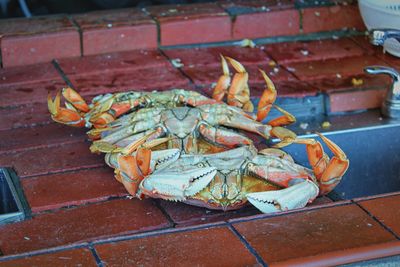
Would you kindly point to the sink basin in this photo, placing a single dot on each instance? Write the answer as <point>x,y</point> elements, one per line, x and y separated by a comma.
<point>372,144</point>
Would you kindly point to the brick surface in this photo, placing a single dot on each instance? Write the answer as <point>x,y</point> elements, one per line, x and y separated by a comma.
<point>356,100</point>
<point>81,224</point>
<point>21,75</point>
<point>24,116</point>
<point>15,95</point>
<point>330,18</point>
<point>39,137</point>
<point>332,68</point>
<point>72,188</point>
<point>266,24</point>
<point>189,24</point>
<point>184,214</point>
<point>386,210</point>
<point>116,30</point>
<point>312,233</point>
<point>111,62</point>
<point>50,160</point>
<point>75,257</point>
<point>314,50</point>
<point>208,247</point>
<point>139,80</point>
<point>211,56</point>
<point>40,39</point>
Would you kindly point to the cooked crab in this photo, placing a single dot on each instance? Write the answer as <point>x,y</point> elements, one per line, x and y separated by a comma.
<point>269,179</point>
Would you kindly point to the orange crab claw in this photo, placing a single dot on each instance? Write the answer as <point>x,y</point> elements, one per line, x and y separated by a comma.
<point>75,99</point>
<point>68,115</point>
<point>131,170</point>
<point>239,92</point>
<point>221,89</point>
<point>267,98</point>
<point>328,172</point>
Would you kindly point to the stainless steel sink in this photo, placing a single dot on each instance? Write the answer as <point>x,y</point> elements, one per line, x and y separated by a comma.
<point>372,144</point>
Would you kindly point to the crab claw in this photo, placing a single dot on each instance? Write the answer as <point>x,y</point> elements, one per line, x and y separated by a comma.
<point>177,185</point>
<point>69,115</point>
<point>293,197</point>
<point>222,86</point>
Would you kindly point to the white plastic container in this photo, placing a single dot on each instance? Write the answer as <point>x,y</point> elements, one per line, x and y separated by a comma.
<point>382,14</point>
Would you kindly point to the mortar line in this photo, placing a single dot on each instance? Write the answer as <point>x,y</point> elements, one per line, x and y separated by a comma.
<point>247,245</point>
<point>62,73</point>
<point>96,256</point>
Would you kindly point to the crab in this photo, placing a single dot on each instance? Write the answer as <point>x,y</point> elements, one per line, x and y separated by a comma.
<point>269,179</point>
<point>106,108</point>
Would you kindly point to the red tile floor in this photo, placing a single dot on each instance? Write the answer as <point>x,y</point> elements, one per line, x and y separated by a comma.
<point>81,215</point>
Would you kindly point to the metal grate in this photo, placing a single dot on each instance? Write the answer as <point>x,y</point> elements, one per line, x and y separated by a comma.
<point>13,205</point>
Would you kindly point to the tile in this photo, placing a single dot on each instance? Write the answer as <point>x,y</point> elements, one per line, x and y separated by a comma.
<point>74,257</point>
<point>189,24</point>
<point>95,221</point>
<point>206,247</point>
<point>338,17</point>
<point>41,161</point>
<point>386,210</point>
<point>138,80</point>
<point>266,24</point>
<point>39,39</point>
<point>184,214</point>
<point>24,116</point>
<point>21,75</point>
<point>111,62</point>
<point>311,233</point>
<point>24,94</point>
<point>116,30</point>
<point>332,68</point>
<point>39,137</point>
<point>54,191</point>
<point>290,52</point>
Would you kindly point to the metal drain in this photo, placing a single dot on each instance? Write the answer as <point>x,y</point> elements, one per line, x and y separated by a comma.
<point>13,205</point>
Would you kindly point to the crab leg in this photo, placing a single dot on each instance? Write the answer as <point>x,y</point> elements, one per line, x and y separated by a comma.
<point>223,137</point>
<point>221,89</point>
<point>329,172</point>
<point>286,136</point>
<point>239,92</point>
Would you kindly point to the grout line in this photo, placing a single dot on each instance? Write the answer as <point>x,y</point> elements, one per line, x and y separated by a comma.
<point>247,245</point>
<point>62,73</point>
<point>43,251</point>
<point>96,256</point>
<point>91,166</point>
<point>25,149</point>
<point>387,228</point>
<point>164,212</point>
<point>78,27</point>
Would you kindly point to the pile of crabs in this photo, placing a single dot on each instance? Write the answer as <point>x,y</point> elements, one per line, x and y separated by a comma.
<point>180,145</point>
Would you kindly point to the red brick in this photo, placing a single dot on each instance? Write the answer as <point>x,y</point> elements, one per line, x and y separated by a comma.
<point>14,95</point>
<point>314,50</point>
<point>39,137</point>
<point>336,17</point>
<point>207,247</point>
<point>189,24</point>
<point>24,116</point>
<point>76,225</point>
<point>73,188</point>
<point>75,257</point>
<point>266,24</point>
<point>116,30</point>
<point>107,63</point>
<point>211,55</point>
<point>208,75</point>
<point>313,233</point>
<point>185,214</point>
<point>332,68</point>
<point>51,160</point>
<point>21,75</point>
<point>139,80</point>
<point>39,39</point>
<point>346,96</point>
<point>386,210</point>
